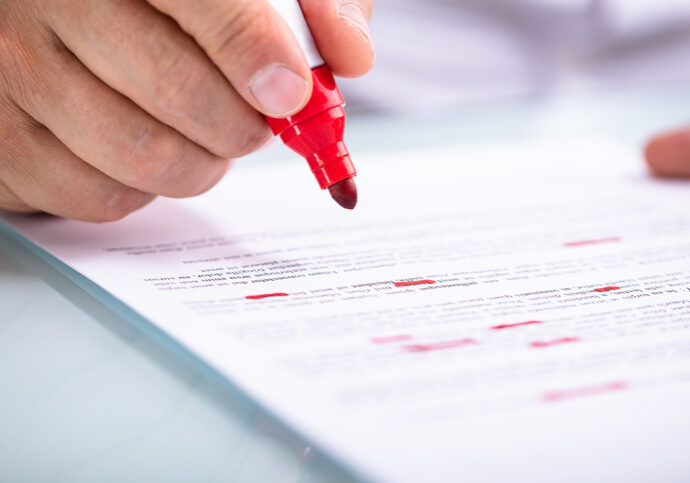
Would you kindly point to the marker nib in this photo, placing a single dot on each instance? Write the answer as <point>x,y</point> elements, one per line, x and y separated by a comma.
<point>344,193</point>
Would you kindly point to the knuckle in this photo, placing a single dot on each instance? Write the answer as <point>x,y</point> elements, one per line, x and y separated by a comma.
<point>163,163</point>
<point>179,83</point>
<point>17,70</point>
<point>150,158</point>
<point>242,29</point>
<point>13,129</point>
<point>118,202</point>
<point>8,123</point>
<point>25,74</point>
<point>250,142</point>
<point>211,179</point>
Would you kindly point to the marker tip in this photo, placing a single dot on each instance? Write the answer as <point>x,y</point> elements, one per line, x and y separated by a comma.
<point>344,193</point>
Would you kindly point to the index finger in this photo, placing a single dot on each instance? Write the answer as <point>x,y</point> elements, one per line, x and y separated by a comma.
<point>252,46</point>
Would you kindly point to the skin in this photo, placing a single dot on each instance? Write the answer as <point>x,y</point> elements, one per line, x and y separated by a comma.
<point>668,154</point>
<point>106,104</point>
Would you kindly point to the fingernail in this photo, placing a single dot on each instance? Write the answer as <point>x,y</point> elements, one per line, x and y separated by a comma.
<point>353,14</point>
<point>279,90</point>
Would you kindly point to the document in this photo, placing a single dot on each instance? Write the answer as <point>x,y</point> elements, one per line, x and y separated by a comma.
<point>488,313</point>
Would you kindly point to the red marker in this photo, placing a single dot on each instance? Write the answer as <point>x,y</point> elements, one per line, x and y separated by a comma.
<point>316,132</point>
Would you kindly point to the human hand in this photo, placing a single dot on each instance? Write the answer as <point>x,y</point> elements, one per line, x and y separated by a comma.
<point>668,154</point>
<point>105,104</point>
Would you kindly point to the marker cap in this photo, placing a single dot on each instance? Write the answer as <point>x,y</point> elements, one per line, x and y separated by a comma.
<point>317,131</point>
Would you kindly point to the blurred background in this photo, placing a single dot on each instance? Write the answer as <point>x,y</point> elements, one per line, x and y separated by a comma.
<point>442,53</point>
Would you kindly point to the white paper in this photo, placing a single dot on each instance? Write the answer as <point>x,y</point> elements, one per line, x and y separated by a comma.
<point>547,336</point>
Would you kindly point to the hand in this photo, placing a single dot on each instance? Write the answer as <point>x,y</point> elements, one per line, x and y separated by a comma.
<point>105,104</point>
<point>669,154</point>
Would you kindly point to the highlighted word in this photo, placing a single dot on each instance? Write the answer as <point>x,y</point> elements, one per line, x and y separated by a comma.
<point>390,338</point>
<point>558,396</point>
<point>606,289</point>
<point>414,282</point>
<point>450,344</point>
<point>266,295</point>
<point>593,242</point>
<point>519,324</point>
<point>564,340</point>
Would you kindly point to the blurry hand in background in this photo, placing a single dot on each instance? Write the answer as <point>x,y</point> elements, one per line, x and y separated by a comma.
<point>669,154</point>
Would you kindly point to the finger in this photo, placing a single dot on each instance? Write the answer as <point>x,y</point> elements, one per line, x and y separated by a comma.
<point>111,133</point>
<point>252,46</point>
<point>45,176</point>
<point>341,31</point>
<point>144,55</point>
<point>669,154</point>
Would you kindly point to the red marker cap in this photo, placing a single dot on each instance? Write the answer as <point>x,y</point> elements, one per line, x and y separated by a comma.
<point>316,132</point>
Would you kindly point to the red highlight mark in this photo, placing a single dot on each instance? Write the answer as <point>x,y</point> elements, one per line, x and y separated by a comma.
<point>557,396</point>
<point>583,243</point>
<point>564,340</point>
<point>390,338</point>
<point>519,324</point>
<point>266,295</point>
<point>606,289</point>
<point>450,344</point>
<point>414,282</point>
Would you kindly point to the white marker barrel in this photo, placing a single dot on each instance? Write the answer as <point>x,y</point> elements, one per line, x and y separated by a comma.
<point>292,14</point>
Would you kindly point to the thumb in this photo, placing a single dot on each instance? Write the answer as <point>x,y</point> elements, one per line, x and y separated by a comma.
<point>341,30</point>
